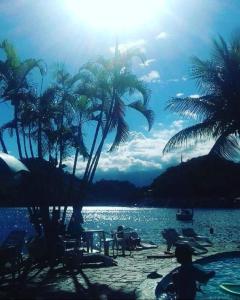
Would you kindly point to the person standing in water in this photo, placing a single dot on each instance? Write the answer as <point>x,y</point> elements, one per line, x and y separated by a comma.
<point>185,279</point>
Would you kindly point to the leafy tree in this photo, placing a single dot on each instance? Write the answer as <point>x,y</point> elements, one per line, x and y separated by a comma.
<point>217,109</point>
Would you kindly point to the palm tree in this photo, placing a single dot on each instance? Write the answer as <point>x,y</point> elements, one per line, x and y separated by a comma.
<point>65,86</point>
<point>13,74</point>
<point>217,110</point>
<point>117,89</point>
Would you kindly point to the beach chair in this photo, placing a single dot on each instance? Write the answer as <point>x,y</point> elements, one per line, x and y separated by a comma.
<point>11,253</point>
<point>190,233</point>
<point>172,238</point>
<point>106,242</point>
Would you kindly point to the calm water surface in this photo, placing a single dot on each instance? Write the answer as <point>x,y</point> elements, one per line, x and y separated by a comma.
<point>148,222</point>
<point>227,270</point>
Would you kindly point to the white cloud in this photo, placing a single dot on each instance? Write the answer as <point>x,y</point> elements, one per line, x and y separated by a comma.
<point>173,80</point>
<point>195,96</point>
<point>162,35</point>
<point>153,76</point>
<point>147,62</point>
<point>180,94</point>
<point>183,78</point>
<point>144,153</point>
<point>133,44</point>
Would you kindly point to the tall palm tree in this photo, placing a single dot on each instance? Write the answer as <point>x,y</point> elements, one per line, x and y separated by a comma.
<point>117,90</point>
<point>13,74</point>
<point>66,88</point>
<point>217,109</point>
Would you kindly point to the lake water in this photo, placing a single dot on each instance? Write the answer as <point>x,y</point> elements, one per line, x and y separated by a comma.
<point>148,222</point>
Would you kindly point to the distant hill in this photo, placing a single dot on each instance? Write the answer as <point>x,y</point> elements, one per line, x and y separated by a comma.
<point>206,181</point>
<point>112,192</point>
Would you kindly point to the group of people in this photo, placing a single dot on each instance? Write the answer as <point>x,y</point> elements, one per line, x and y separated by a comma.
<point>127,239</point>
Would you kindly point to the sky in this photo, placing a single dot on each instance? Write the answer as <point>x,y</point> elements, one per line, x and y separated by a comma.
<point>169,32</point>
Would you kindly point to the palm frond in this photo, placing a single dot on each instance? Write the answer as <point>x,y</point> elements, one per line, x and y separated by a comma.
<point>226,146</point>
<point>220,50</point>
<point>196,108</point>
<point>118,123</point>
<point>147,113</point>
<point>129,83</point>
<point>28,65</point>
<point>11,55</point>
<point>121,134</point>
<point>80,144</point>
<point>9,125</point>
<point>195,132</point>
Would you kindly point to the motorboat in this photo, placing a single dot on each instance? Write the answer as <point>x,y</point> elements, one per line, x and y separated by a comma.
<point>184,214</point>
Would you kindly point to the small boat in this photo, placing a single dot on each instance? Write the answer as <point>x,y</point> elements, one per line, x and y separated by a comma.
<point>184,214</point>
<point>231,288</point>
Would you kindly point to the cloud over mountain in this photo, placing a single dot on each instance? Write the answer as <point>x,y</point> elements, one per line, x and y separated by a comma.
<point>142,154</point>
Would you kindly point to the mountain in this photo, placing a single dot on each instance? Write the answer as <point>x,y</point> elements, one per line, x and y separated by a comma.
<point>113,192</point>
<point>205,181</point>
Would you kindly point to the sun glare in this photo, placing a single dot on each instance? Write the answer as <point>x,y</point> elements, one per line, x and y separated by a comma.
<point>114,15</point>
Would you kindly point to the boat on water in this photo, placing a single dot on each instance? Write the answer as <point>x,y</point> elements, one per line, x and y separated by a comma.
<point>184,214</point>
<point>231,288</point>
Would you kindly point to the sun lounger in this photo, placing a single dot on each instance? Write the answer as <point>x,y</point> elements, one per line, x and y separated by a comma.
<point>202,240</point>
<point>172,237</point>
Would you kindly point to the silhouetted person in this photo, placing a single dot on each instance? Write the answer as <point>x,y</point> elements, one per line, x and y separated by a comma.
<point>185,280</point>
<point>186,277</point>
<point>120,236</point>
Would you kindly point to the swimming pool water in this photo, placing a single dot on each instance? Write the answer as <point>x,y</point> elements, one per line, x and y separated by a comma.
<point>227,270</point>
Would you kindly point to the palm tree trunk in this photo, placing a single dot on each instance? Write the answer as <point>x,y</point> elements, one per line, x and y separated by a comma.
<point>40,139</point>
<point>75,162</point>
<point>61,130</point>
<point>94,165</point>
<point>71,184</point>
<point>95,161</point>
<point>24,142</point>
<point>30,141</point>
<point>4,148</point>
<point>85,176</point>
<point>17,132</point>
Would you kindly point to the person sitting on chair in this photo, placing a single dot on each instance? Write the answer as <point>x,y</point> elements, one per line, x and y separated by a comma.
<point>134,240</point>
<point>121,239</point>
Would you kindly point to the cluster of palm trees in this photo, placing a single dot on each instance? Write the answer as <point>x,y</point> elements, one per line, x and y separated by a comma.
<point>52,123</point>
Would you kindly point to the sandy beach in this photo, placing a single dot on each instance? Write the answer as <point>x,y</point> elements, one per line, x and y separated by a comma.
<point>127,280</point>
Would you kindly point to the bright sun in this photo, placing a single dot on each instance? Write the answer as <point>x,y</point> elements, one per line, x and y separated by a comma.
<point>114,15</point>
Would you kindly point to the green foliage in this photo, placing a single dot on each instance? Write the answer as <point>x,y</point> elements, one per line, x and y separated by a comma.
<point>217,109</point>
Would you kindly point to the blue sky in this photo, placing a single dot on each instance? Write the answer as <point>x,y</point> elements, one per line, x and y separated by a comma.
<point>55,32</point>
